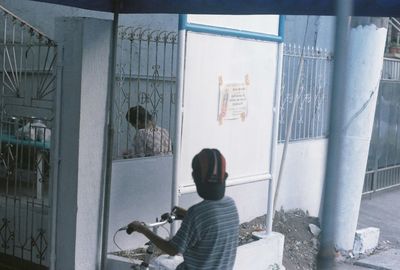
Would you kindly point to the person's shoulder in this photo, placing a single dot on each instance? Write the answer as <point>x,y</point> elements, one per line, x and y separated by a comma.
<point>228,203</point>
<point>198,207</point>
<point>206,205</point>
<point>228,199</point>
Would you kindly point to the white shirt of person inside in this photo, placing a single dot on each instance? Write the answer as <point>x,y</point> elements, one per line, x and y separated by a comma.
<point>150,141</point>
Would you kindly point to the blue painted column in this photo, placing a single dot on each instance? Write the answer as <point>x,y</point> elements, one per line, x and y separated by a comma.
<point>85,62</point>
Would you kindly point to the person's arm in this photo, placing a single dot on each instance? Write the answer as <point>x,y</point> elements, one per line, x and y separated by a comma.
<point>179,212</point>
<point>161,243</point>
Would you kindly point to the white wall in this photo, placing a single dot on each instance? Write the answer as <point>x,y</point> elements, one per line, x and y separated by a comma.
<point>140,190</point>
<point>43,15</point>
<point>301,187</point>
<point>303,176</point>
<point>236,138</point>
<point>320,31</point>
<point>250,199</point>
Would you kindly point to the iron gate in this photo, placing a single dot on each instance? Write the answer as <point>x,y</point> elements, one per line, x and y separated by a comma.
<point>146,76</point>
<point>28,84</point>
<point>383,167</point>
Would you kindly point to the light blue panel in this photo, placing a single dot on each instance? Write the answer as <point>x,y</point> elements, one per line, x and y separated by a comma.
<point>222,31</point>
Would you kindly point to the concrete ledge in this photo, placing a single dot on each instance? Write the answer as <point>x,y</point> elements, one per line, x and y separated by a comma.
<point>366,240</point>
<point>264,254</point>
<point>119,263</point>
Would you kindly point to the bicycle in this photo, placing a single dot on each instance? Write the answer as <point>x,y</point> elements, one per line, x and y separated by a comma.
<point>150,262</point>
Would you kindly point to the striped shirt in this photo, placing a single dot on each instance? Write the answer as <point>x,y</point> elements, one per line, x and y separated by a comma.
<point>208,236</point>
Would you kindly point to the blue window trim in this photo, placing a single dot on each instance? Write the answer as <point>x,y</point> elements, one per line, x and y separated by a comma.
<point>184,25</point>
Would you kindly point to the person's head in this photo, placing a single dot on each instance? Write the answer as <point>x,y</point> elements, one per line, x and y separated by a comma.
<point>209,174</point>
<point>138,117</point>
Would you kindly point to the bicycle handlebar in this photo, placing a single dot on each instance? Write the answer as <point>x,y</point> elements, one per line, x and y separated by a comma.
<point>156,224</point>
<point>165,218</point>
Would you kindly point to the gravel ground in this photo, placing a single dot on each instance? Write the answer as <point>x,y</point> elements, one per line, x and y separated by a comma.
<point>301,246</point>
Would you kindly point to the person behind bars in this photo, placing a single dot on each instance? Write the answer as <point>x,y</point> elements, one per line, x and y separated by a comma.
<point>209,233</point>
<point>150,139</point>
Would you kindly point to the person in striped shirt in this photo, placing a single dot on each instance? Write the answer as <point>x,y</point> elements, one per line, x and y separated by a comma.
<point>208,236</point>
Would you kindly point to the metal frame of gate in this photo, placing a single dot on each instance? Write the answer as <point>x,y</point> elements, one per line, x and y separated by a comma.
<point>29,92</point>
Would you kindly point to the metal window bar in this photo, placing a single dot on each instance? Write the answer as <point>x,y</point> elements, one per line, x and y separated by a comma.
<point>391,69</point>
<point>311,114</point>
<point>383,167</point>
<point>146,76</point>
<point>28,84</point>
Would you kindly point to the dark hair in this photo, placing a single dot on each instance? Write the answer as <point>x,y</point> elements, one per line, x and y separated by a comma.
<point>209,174</point>
<point>138,114</point>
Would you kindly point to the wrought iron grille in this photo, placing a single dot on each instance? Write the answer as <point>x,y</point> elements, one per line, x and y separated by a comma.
<point>146,76</point>
<point>383,167</point>
<point>391,69</point>
<point>28,84</point>
<point>311,115</point>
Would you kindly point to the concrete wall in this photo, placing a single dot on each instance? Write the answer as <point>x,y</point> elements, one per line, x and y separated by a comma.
<point>319,33</point>
<point>140,190</point>
<point>247,257</point>
<point>303,176</point>
<point>301,186</point>
<point>86,42</point>
<point>43,15</point>
<point>250,199</point>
